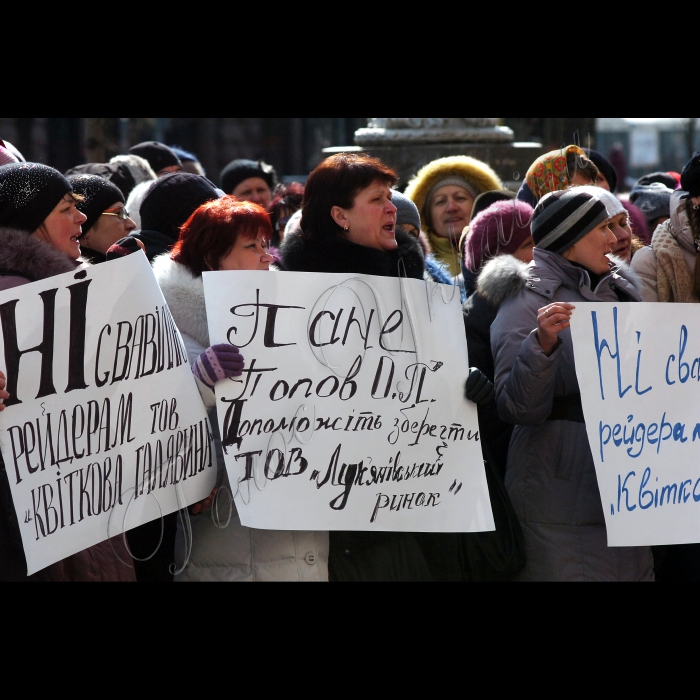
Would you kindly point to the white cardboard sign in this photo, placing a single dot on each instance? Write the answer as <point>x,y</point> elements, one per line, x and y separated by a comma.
<point>351,413</point>
<point>638,367</point>
<point>105,428</point>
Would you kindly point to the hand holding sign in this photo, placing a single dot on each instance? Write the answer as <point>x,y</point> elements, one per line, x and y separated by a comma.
<point>217,363</point>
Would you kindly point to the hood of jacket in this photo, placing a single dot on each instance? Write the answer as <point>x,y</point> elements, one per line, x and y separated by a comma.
<point>23,255</point>
<point>505,277</point>
<point>184,294</point>
<point>338,254</point>
<point>679,223</point>
<point>474,171</point>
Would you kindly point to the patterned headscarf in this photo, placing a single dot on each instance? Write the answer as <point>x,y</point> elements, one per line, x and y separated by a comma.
<point>549,173</point>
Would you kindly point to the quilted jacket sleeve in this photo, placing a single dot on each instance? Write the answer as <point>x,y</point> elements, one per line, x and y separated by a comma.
<point>524,376</point>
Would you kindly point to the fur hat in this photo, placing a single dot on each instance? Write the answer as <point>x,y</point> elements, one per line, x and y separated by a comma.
<point>498,230</point>
<point>98,195</point>
<point>158,155</point>
<point>139,168</point>
<point>239,170</point>
<point>29,192</point>
<point>477,174</point>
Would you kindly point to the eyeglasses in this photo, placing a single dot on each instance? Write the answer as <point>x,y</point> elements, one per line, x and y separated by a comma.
<point>120,214</point>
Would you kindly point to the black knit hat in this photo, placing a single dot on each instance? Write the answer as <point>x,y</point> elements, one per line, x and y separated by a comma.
<point>238,170</point>
<point>158,155</point>
<point>563,218</point>
<point>690,177</point>
<point>98,195</point>
<point>605,167</point>
<point>172,199</point>
<point>117,173</point>
<point>29,192</point>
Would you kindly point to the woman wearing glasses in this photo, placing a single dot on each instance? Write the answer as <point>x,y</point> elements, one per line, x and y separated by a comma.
<point>107,219</point>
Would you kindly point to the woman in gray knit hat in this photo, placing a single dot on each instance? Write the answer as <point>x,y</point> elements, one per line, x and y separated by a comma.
<point>550,476</point>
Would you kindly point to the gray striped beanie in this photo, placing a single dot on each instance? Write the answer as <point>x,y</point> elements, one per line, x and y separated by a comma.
<point>563,218</point>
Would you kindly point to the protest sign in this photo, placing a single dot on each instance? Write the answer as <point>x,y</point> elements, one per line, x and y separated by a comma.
<point>638,366</point>
<point>351,413</point>
<point>104,429</point>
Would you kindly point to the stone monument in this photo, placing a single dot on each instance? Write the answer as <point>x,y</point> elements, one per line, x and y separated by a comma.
<point>407,144</point>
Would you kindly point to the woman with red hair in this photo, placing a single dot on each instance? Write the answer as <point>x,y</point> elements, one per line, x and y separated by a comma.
<point>227,234</point>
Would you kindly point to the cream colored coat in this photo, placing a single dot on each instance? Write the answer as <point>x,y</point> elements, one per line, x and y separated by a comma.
<point>666,268</point>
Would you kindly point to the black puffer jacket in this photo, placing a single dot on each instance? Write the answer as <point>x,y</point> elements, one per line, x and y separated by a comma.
<point>364,556</point>
<point>337,254</point>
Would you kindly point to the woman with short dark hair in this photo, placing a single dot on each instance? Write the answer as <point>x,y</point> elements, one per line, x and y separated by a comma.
<point>227,234</point>
<point>349,226</point>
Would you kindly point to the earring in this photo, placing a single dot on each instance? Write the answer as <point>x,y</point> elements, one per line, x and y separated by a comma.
<point>696,207</point>
<point>347,228</point>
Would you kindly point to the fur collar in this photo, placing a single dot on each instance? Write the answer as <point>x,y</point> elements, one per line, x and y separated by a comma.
<point>337,254</point>
<point>184,294</point>
<point>504,277</point>
<point>501,278</point>
<point>23,255</point>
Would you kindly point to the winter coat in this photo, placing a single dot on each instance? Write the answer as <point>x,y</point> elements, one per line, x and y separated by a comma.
<point>667,267</point>
<point>338,254</point>
<point>364,556</point>
<point>480,312</point>
<point>235,553</point>
<point>667,271</point>
<point>551,477</point>
<point>25,259</point>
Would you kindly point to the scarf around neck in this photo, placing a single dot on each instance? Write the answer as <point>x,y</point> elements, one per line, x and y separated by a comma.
<point>446,252</point>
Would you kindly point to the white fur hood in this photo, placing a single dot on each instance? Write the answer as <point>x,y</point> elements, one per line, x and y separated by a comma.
<point>184,294</point>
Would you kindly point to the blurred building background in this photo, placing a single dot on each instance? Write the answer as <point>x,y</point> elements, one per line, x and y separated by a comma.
<point>295,145</point>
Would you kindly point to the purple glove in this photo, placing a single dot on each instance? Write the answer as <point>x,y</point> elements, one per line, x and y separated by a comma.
<point>218,362</point>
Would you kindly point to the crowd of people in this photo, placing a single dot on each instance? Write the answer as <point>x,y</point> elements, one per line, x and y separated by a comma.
<point>520,260</point>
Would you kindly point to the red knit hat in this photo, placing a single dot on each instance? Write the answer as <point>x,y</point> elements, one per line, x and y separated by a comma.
<point>499,230</point>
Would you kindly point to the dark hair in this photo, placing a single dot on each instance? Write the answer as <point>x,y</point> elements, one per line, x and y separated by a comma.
<point>213,229</point>
<point>335,183</point>
<point>581,164</point>
<point>286,200</point>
